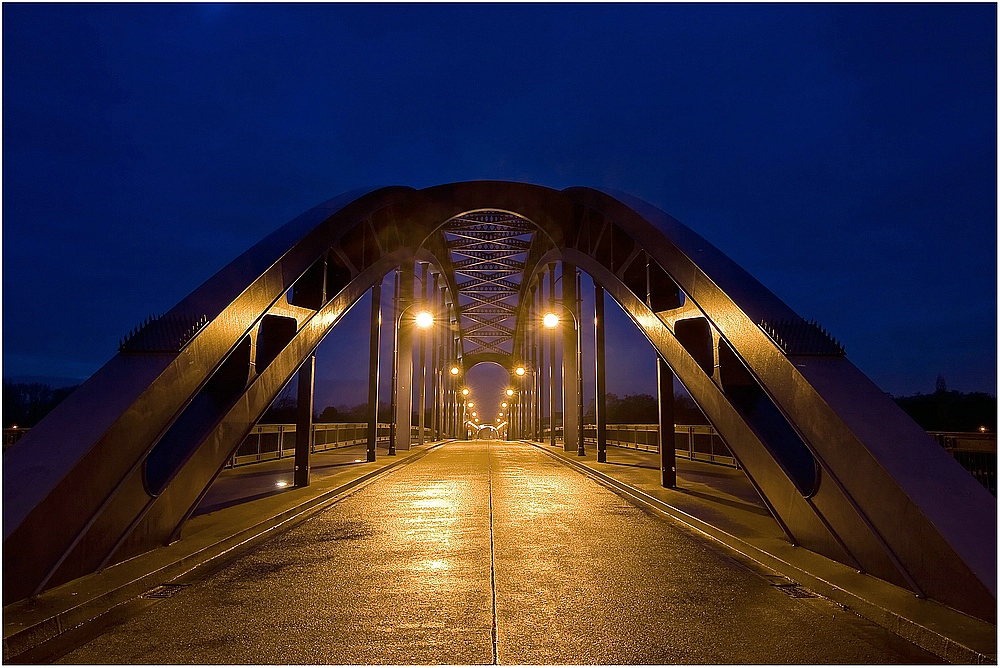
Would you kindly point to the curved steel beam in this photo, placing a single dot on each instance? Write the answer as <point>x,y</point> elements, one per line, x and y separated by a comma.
<point>847,472</point>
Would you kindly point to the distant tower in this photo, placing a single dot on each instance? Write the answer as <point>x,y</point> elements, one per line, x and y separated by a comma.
<point>940,387</point>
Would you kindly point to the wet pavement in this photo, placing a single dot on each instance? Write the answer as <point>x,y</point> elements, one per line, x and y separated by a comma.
<point>490,552</point>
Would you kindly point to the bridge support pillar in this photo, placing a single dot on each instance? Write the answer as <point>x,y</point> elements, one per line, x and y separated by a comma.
<point>552,361</point>
<point>402,375</point>
<point>373,364</point>
<point>537,353</point>
<point>438,362</point>
<point>571,376</point>
<point>422,364</point>
<point>600,397</point>
<point>668,456</point>
<point>304,422</point>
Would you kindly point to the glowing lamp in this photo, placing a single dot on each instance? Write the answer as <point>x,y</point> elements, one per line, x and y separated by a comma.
<point>550,320</point>
<point>510,392</point>
<point>424,319</point>
<point>520,371</point>
<point>454,370</point>
<point>465,392</point>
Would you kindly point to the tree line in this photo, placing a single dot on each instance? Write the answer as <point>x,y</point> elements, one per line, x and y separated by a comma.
<point>24,404</point>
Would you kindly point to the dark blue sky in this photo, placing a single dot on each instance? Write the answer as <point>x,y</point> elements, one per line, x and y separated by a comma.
<point>843,154</point>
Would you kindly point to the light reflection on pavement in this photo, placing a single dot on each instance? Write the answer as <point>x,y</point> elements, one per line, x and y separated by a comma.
<point>483,540</point>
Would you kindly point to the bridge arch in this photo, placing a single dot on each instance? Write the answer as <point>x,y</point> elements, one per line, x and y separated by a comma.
<point>845,472</point>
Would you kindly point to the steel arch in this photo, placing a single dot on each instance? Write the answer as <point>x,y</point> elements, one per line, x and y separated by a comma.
<point>882,495</point>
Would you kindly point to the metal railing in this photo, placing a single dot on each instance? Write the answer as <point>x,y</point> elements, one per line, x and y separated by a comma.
<point>697,442</point>
<point>12,435</point>
<point>267,442</point>
<point>976,452</point>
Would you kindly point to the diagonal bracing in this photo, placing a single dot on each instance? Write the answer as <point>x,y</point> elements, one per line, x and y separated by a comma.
<point>488,252</point>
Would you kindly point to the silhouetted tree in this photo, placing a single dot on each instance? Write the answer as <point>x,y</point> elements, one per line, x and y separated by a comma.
<point>25,404</point>
<point>358,413</point>
<point>283,410</point>
<point>643,409</point>
<point>951,411</point>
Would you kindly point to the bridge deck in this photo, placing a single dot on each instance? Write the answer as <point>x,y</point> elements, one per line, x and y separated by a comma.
<point>483,552</point>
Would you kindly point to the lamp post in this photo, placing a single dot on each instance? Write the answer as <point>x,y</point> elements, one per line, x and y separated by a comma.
<point>551,321</point>
<point>449,408</point>
<point>423,320</point>
<point>521,371</point>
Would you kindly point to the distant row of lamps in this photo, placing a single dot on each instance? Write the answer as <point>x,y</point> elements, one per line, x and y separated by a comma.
<point>424,319</point>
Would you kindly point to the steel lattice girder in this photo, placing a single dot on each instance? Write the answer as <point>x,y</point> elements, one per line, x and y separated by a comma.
<point>488,247</point>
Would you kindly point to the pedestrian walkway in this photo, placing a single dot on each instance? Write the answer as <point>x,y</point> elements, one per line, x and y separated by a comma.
<point>720,502</point>
<point>489,552</point>
<point>248,505</point>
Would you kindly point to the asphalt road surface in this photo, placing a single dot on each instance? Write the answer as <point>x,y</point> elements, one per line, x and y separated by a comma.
<point>490,552</point>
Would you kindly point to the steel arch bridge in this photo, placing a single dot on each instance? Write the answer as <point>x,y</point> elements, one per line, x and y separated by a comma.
<point>117,468</point>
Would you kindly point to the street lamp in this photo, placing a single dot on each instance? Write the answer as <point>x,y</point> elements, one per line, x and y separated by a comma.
<point>510,392</point>
<point>520,371</point>
<point>551,321</point>
<point>455,371</point>
<point>423,320</point>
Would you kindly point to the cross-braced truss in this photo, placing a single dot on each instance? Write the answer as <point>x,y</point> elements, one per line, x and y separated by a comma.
<point>488,251</point>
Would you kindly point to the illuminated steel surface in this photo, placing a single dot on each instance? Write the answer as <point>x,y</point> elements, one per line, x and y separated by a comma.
<point>404,572</point>
<point>118,467</point>
<point>488,249</point>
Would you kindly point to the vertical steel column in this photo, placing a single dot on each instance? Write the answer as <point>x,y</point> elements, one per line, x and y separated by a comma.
<point>456,396</point>
<point>304,422</point>
<point>449,359</point>
<point>393,389</point>
<point>600,397</point>
<point>578,310</point>
<point>422,364</point>
<point>373,358</point>
<point>434,355</point>
<point>403,354</point>
<point>570,362</point>
<point>537,361</point>
<point>665,390</point>
<point>552,361</point>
